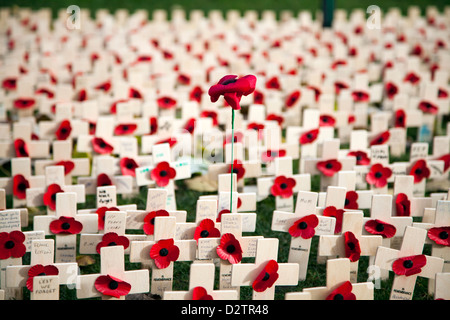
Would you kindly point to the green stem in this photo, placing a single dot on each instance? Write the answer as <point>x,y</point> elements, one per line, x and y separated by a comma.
<point>232,158</point>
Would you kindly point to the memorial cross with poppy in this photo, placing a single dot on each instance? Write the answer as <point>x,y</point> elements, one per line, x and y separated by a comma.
<point>408,263</point>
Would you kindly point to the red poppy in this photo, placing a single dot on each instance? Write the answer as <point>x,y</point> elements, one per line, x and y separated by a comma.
<point>101,212</point>
<point>317,92</point>
<point>40,270</point>
<point>66,225</point>
<point>361,157</point>
<point>124,129</point>
<point>292,98</point>
<point>50,195</point>
<point>210,114</point>
<point>238,137</point>
<point>283,187</point>
<point>408,266</point>
<point>162,173</point>
<point>275,117</point>
<point>232,88</point>
<point>104,86</point>
<point>45,91</point>
<point>24,103</point>
<point>112,286</point>
<point>440,235</point>
<point>378,175</point>
<point>304,227</point>
<point>339,85</point>
<point>206,229</point>
<point>258,97</point>
<point>378,227</point>
<point>112,239</point>
<point>128,166</point>
<point>420,171</point>
<point>103,180</point>
<point>101,146</point>
<point>171,141</point>
<point>360,96</point>
<point>270,155</point>
<point>200,293</point>
<point>21,148</point>
<point>64,130</point>
<point>331,211</point>
<point>442,93</point>
<point>149,220</point>
<point>68,166</point>
<point>412,78</point>
<point>343,292</point>
<point>428,107</point>
<point>153,125</point>
<point>266,277</point>
<point>229,249</point>
<point>164,252</point>
<point>219,215</point>
<point>351,200</point>
<point>9,84</point>
<point>391,90</point>
<point>190,125</point>
<point>134,93</point>
<point>81,95</point>
<point>238,169</point>
<point>326,121</point>
<point>92,126</point>
<point>402,205</point>
<point>446,159</point>
<point>166,102</point>
<point>273,83</point>
<point>382,138</point>
<point>183,79</point>
<point>329,167</point>
<point>12,244</point>
<point>337,63</point>
<point>400,118</point>
<point>20,185</point>
<point>309,136</point>
<point>196,94</point>
<point>259,127</point>
<point>352,248</point>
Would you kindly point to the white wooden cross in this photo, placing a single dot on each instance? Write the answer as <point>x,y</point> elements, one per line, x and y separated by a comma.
<point>21,167</point>
<point>438,230</point>
<point>338,274</point>
<point>231,223</point>
<point>329,154</point>
<point>66,224</point>
<point>246,274</point>
<point>301,244</point>
<point>10,220</point>
<point>161,154</point>
<point>380,214</point>
<point>335,245</point>
<point>54,176</point>
<point>283,167</point>
<point>103,138</point>
<point>42,254</point>
<point>347,179</point>
<point>202,276</point>
<point>165,229</point>
<point>106,165</point>
<point>113,268</point>
<point>22,131</point>
<point>114,228</point>
<point>62,154</point>
<point>408,263</point>
<point>442,285</point>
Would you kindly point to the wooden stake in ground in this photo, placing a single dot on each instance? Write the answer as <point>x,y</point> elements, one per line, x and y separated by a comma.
<point>113,282</point>
<point>266,273</point>
<point>302,225</point>
<point>408,263</point>
<point>201,286</point>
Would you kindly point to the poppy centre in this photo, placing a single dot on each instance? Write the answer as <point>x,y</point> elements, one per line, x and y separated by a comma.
<point>9,244</point>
